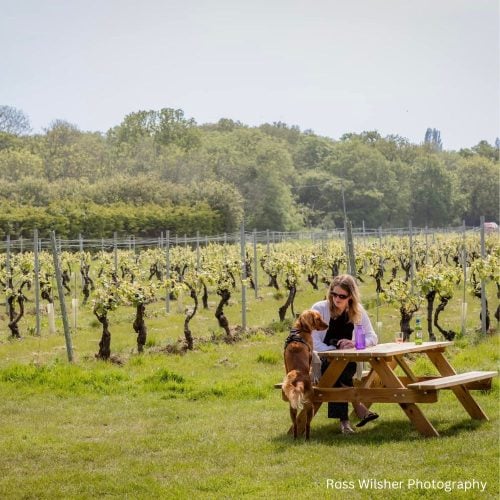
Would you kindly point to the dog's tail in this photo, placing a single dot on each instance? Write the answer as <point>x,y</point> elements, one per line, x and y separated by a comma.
<point>294,390</point>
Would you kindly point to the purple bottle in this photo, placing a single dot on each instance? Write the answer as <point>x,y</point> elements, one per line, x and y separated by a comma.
<point>359,337</point>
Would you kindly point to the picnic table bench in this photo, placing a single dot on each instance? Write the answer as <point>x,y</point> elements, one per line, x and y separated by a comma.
<point>451,381</point>
<point>381,384</point>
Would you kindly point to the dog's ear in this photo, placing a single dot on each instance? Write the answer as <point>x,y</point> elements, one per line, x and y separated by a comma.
<point>307,320</point>
<point>318,323</point>
<point>299,322</point>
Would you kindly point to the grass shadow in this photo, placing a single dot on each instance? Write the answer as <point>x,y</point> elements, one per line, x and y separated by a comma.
<point>456,428</point>
<point>381,432</point>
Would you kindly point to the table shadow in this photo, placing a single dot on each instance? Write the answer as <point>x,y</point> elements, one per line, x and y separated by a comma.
<point>379,431</point>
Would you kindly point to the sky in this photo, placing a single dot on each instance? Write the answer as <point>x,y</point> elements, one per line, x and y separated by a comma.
<point>330,66</point>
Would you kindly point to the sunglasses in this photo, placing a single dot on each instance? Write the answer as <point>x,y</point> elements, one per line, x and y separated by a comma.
<point>342,296</point>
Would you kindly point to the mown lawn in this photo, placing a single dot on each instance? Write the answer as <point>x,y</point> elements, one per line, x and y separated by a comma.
<point>210,424</point>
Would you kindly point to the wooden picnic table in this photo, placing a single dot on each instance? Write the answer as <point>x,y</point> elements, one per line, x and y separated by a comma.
<point>383,385</point>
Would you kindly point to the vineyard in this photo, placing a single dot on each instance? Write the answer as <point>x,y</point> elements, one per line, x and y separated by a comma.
<point>175,297</point>
<point>177,347</point>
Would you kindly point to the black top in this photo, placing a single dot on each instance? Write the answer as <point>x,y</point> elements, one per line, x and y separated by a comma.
<point>338,328</point>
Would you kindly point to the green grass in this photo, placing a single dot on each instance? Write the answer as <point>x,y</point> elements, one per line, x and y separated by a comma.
<point>209,423</point>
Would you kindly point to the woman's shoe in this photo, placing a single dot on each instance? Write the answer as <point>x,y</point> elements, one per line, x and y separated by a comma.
<point>367,418</point>
<point>345,428</point>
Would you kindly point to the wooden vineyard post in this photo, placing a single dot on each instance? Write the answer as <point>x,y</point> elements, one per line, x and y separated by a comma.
<point>167,272</point>
<point>37,281</point>
<point>57,267</point>
<point>483,281</point>
<point>243,278</point>
<point>255,264</point>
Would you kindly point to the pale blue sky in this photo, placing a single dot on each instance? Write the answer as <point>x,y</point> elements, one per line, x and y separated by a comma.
<point>333,66</point>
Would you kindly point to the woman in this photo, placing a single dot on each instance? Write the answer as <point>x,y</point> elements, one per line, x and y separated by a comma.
<point>341,311</point>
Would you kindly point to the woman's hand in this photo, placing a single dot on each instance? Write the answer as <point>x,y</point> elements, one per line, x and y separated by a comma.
<point>345,344</point>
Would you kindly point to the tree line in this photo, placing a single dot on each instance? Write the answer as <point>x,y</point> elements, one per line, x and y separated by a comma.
<point>160,170</point>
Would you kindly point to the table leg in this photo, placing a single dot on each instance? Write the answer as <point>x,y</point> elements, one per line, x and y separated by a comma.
<point>332,373</point>
<point>413,412</point>
<point>404,365</point>
<point>460,391</point>
<point>372,379</point>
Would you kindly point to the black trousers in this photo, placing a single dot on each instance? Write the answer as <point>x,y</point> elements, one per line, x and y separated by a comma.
<point>340,410</point>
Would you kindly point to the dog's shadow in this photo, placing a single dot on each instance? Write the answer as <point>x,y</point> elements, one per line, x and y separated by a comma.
<point>380,432</point>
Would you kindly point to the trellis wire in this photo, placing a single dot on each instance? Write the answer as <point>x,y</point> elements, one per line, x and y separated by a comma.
<point>266,237</point>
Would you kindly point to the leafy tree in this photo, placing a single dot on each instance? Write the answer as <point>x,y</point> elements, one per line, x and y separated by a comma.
<point>70,153</point>
<point>433,139</point>
<point>397,149</point>
<point>280,130</point>
<point>478,183</point>
<point>17,164</point>
<point>261,168</point>
<point>134,190</point>
<point>13,121</point>
<point>278,176</point>
<point>223,125</point>
<point>312,152</point>
<point>367,137</point>
<point>166,126</point>
<point>321,193</point>
<point>222,197</point>
<point>373,188</point>
<point>485,149</point>
<point>270,205</point>
<point>431,192</point>
<point>9,141</point>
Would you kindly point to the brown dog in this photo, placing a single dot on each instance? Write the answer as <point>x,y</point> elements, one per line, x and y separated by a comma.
<point>297,386</point>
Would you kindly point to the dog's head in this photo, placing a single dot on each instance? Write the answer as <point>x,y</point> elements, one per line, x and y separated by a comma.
<point>310,320</point>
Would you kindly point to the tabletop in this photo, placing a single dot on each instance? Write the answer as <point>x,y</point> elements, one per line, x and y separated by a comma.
<point>384,350</point>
